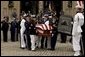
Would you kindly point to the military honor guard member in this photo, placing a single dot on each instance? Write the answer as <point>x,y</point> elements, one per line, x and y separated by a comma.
<point>54,33</point>
<point>44,39</point>
<point>27,31</point>
<point>82,39</point>
<point>22,32</point>
<point>32,30</point>
<point>77,30</point>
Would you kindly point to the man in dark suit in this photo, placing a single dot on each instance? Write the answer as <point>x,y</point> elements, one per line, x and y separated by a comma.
<point>5,27</point>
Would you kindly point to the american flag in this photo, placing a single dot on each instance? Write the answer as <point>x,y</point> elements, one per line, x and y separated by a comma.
<point>42,27</point>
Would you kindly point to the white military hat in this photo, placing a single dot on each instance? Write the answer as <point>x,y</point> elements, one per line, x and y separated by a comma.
<point>24,15</point>
<point>32,15</point>
<point>43,17</point>
<point>50,16</point>
<point>45,14</point>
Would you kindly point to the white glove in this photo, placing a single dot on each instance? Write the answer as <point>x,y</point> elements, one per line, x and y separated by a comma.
<point>71,22</point>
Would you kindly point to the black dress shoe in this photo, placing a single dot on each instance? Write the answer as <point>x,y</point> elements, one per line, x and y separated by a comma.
<point>63,42</point>
<point>81,54</point>
<point>22,47</point>
<point>13,41</point>
<point>37,47</point>
<point>41,47</point>
<point>48,48</point>
<point>51,49</point>
<point>29,48</point>
<point>5,41</point>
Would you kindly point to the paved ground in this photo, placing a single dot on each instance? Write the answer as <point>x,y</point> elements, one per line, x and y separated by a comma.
<point>13,49</point>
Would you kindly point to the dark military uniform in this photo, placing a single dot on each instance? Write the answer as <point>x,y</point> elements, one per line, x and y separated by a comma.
<point>5,27</point>
<point>42,40</point>
<point>55,33</point>
<point>32,30</point>
<point>27,31</point>
<point>14,31</point>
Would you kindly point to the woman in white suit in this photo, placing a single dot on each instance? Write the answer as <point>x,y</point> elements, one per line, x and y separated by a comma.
<point>76,32</point>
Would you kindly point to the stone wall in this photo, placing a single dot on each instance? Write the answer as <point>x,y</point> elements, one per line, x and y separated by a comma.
<point>69,11</point>
<point>6,11</point>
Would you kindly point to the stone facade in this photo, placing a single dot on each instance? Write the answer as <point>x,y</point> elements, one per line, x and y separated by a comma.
<point>69,10</point>
<point>5,10</point>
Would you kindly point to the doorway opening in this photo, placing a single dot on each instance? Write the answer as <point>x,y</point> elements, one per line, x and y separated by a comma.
<point>58,6</point>
<point>29,6</point>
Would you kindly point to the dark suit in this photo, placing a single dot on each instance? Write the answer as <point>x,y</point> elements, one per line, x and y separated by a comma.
<point>14,31</point>
<point>5,27</point>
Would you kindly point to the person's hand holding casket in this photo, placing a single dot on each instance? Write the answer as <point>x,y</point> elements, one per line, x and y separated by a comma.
<point>54,25</point>
<point>71,22</point>
<point>44,29</point>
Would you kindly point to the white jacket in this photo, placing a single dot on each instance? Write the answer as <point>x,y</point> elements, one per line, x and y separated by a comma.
<point>22,24</point>
<point>78,22</point>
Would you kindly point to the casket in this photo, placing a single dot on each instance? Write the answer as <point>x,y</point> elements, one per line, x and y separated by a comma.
<point>44,30</point>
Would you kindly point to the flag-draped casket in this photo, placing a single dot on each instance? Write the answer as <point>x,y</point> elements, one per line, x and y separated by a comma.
<point>44,29</point>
